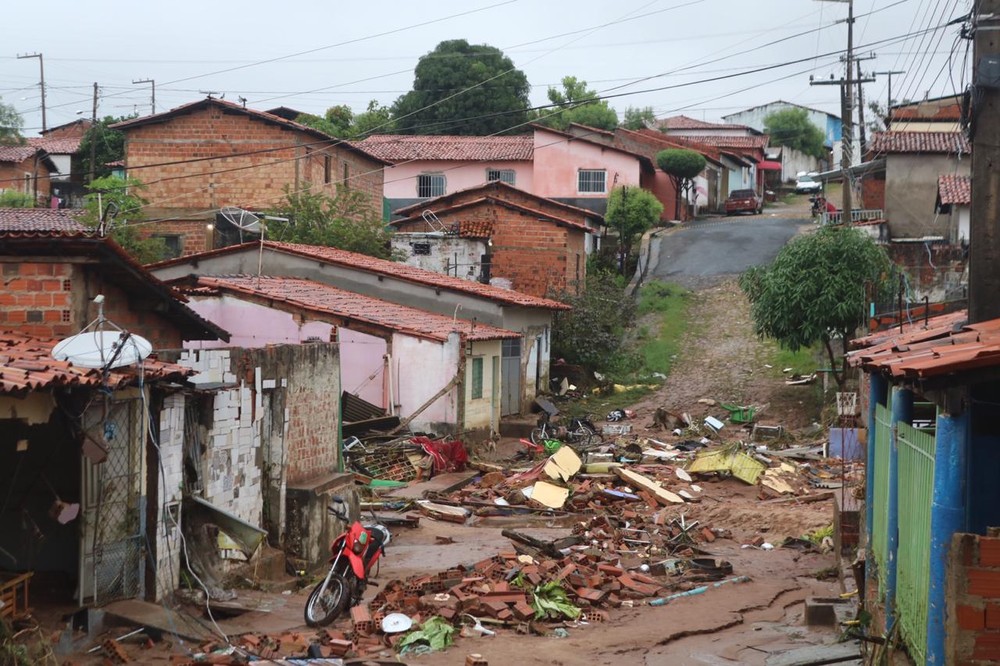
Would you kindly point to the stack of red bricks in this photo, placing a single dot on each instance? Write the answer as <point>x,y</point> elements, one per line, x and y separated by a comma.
<point>973,601</point>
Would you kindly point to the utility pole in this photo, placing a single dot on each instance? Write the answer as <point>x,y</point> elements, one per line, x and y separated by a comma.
<point>93,138</point>
<point>862,138</point>
<point>984,244</point>
<point>152,84</point>
<point>888,98</point>
<point>41,84</point>
<point>846,111</point>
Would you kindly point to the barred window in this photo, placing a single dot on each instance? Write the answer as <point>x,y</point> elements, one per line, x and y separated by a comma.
<point>477,377</point>
<point>592,181</point>
<point>503,175</point>
<point>430,185</point>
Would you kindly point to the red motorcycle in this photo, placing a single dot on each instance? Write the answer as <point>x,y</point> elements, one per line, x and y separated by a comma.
<point>355,552</point>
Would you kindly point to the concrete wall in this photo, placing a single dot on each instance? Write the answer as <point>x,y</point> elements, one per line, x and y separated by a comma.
<point>169,495</point>
<point>911,185</point>
<point>251,325</point>
<point>483,414</point>
<point>401,179</point>
<point>829,125</point>
<point>937,271</point>
<point>446,252</point>
<point>421,368</point>
<point>558,160</point>
<point>363,365</point>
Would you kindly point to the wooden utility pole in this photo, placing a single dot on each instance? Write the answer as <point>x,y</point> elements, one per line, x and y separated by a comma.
<point>41,84</point>
<point>862,138</point>
<point>152,85</point>
<point>888,96</point>
<point>984,244</point>
<point>93,138</point>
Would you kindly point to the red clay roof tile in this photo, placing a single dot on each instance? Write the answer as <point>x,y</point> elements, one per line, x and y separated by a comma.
<point>324,299</point>
<point>760,141</point>
<point>40,222</point>
<point>56,146</point>
<point>26,365</point>
<point>954,189</point>
<point>401,148</point>
<point>17,153</point>
<point>951,143</point>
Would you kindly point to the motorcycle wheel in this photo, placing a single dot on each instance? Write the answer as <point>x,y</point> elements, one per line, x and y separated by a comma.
<point>322,610</point>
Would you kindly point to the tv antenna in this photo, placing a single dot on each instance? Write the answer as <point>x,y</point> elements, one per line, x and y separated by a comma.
<point>102,344</point>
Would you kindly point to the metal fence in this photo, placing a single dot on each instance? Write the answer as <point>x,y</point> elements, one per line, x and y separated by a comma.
<point>857,215</point>
<point>916,487</point>
<point>880,478</point>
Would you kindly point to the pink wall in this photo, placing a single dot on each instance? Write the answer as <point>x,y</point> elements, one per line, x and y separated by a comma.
<point>362,366</point>
<point>252,325</point>
<point>401,180</point>
<point>558,159</point>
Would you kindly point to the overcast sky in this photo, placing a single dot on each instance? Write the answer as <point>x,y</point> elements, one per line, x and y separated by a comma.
<point>327,53</point>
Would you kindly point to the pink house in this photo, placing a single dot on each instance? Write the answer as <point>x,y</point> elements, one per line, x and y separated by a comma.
<point>394,356</point>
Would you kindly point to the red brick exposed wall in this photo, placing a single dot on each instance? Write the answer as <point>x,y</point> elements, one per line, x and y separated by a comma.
<point>312,402</point>
<point>973,601</point>
<point>12,178</point>
<point>73,130</point>
<point>539,256</point>
<point>873,192</point>
<point>280,157</point>
<point>54,300</point>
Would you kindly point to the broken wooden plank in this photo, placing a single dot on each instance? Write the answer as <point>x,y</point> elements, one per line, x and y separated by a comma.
<point>637,479</point>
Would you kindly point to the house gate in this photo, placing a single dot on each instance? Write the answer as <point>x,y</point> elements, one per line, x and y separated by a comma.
<point>111,530</point>
<point>510,373</point>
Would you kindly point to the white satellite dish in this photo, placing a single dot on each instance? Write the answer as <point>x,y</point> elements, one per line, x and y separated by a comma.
<point>102,349</point>
<point>243,220</point>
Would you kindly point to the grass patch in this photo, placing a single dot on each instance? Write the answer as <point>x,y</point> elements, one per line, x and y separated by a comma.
<point>666,306</point>
<point>597,405</point>
<point>802,362</point>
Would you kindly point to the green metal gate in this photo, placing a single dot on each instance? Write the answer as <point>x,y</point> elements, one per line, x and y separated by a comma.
<point>880,478</point>
<point>916,488</point>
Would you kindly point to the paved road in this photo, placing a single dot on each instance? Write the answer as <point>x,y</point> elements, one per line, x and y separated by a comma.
<point>701,253</point>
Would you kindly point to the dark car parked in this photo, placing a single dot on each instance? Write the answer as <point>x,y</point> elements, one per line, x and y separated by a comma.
<point>744,201</point>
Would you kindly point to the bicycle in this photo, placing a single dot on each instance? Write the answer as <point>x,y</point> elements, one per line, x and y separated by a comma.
<point>581,434</point>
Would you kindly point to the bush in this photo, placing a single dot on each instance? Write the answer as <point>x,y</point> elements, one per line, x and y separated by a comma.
<point>15,199</point>
<point>592,333</point>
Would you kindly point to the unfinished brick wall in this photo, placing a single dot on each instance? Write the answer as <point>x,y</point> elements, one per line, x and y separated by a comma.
<point>55,299</point>
<point>26,176</point>
<point>263,158</point>
<point>973,600</point>
<point>873,192</point>
<point>540,257</point>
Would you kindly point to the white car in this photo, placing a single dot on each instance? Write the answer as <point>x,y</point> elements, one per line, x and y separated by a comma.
<point>806,184</point>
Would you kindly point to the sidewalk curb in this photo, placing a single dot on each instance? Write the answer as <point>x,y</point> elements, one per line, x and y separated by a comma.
<point>647,261</point>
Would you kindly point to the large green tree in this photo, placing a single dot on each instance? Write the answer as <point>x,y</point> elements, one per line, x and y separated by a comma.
<point>462,88</point>
<point>631,212</point>
<point>114,205</point>
<point>636,118</point>
<point>341,122</point>
<point>108,146</point>
<point>11,123</point>
<point>576,103</point>
<point>683,166</point>
<point>344,221</point>
<point>791,127</point>
<point>815,290</point>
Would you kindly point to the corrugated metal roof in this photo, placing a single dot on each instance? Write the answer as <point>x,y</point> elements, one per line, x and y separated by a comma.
<point>26,365</point>
<point>323,299</point>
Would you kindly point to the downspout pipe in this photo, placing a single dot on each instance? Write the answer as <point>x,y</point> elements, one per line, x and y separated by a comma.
<point>947,518</point>
<point>902,412</point>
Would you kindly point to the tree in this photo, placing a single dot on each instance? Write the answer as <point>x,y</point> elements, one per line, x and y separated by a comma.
<point>341,122</point>
<point>115,204</point>
<point>683,166</point>
<point>592,333</point>
<point>791,127</point>
<point>575,103</point>
<point>108,145</point>
<point>631,212</point>
<point>637,119</point>
<point>459,88</point>
<point>344,221</point>
<point>816,290</point>
<point>11,123</point>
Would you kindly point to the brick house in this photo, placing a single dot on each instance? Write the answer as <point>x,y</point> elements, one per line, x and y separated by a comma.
<point>539,246</point>
<point>210,154</point>
<point>62,143</point>
<point>26,169</point>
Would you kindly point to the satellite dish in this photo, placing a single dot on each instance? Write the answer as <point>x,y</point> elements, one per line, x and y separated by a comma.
<point>102,349</point>
<point>243,220</point>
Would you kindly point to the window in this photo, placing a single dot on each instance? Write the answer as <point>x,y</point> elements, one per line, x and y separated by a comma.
<point>430,185</point>
<point>591,181</point>
<point>327,169</point>
<point>503,175</point>
<point>27,183</point>
<point>347,176</point>
<point>477,377</point>
<point>421,248</point>
<point>173,244</point>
